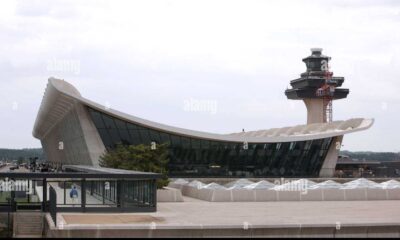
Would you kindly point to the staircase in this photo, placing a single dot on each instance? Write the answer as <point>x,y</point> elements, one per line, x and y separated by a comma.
<point>28,224</point>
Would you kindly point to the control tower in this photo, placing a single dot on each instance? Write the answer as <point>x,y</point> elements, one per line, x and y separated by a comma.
<point>317,87</point>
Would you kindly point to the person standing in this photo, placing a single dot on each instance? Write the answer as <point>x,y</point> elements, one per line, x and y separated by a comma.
<point>73,194</point>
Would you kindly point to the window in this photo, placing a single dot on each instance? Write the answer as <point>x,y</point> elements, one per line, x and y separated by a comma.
<point>176,140</point>
<point>292,146</point>
<point>125,137</point>
<point>308,145</point>
<point>214,144</point>
<point>326,143</point>
<point>114,136</point>
<point>98,121</point>
<point>185,142</point>
<point>154,136</point>
<point>109,122</point>
<point>205,144</point>
<point>165,138</point>
<point>199,157</point>
<point>120,124</point>
<point>144,134</point>
<point>195,143</point>
<point>105,137</point>
<point>131,126</point>
<point>135,136</point>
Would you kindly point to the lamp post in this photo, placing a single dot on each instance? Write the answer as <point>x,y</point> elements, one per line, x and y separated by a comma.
<point>32,162</point>
<point>8,216</point>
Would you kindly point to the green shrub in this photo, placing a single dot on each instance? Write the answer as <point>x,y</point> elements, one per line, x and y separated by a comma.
<point>139,158</point>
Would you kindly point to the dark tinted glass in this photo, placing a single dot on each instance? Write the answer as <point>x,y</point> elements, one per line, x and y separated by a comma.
<point>195,143</point>
<point>176,140</point>
<point>165,138</point>
<point>144,134</point>
<point>154,136</point>
<point>125,137</point>
<point>135,136</point>
<point>108,121</point>
<point>185,142</point>
<point>105,137</point>
<point>115,138</point>
<point>191,157</point>
<point>120,124</point>
<point>131,126</point>
<point>98,121</point>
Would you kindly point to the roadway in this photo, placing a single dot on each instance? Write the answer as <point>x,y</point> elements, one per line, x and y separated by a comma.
<point>6,168</point>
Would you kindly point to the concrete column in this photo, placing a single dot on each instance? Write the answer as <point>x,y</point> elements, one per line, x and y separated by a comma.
<point>154,186</point>
<point>315,110</point>
<point>94,145</point>
<point>44,202</point>
<point>328,167</point>
<point>120,194</point>
<point>83,194</point>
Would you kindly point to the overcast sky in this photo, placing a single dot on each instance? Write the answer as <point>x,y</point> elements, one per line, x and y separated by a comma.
<point>150,58</point>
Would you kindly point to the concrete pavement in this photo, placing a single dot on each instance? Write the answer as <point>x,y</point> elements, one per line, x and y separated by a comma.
<point>198,218</point>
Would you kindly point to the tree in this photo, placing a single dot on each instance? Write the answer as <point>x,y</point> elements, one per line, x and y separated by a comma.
<point>139,158</point>
<point>20,160</point>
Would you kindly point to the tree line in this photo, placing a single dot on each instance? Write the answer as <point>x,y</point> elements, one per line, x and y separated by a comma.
<point>18,154</point>
<point>372,156</point>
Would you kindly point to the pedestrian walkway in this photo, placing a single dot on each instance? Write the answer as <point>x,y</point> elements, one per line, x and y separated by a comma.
<point>60,195</point>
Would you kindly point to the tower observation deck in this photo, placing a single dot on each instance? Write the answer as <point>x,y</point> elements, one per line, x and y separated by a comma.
<point>317,87</point>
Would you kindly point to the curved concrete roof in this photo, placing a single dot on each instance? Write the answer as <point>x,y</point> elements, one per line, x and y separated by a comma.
<point>60,97</point>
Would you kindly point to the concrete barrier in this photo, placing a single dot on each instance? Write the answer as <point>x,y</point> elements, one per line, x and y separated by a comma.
<point>185,190</point>
<point>312,195</point>
<point>393,194</point>
<point>190,191</point>
<point>205,194</point>
<point>266,195</point>
<point>333,194</point>
<point>359,194</point>
<point>176,185</point>
<point>288,195</point>
<point>169,195</point>
<point>222,195</point>
<point>376,194</point>
<point>243,195</point>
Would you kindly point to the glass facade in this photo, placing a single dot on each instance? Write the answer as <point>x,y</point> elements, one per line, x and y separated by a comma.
<point>196,157</point>
<point>135,193</point>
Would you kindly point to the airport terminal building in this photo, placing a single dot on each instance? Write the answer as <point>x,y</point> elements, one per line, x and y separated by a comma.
<point>76,131</point>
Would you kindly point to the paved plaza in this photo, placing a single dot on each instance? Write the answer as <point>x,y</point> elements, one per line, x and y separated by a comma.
<point>197,213</point>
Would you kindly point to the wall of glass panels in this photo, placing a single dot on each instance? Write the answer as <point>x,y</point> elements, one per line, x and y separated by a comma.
<point>110,193</point>
<point>134,193</point>
<point>105,191</point>
<point>138,193</point>
<point>195,157</point>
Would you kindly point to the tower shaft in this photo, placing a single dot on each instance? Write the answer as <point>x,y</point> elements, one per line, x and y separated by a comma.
<point>319,111</point>
<point>328,116</point>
